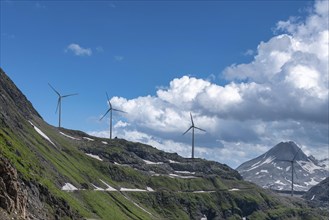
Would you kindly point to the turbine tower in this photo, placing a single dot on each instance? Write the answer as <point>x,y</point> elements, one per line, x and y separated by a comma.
<point>59,103</point>
<point>193,127</point>
<point>111,109</point>
<point>292,170</point>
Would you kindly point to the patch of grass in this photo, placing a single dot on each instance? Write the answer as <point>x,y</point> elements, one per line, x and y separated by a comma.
<point>113,205</point>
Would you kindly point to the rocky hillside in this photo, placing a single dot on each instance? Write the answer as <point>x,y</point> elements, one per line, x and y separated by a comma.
<point>51,173</point>
<point>273,168</point>
<point>318,195</point>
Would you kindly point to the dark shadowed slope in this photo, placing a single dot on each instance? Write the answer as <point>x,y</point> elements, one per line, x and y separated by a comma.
<point>318,195</point>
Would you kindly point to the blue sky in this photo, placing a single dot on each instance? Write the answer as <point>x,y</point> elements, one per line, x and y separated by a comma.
<point>135,50</point>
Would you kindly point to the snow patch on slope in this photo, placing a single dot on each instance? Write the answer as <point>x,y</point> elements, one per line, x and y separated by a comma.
<point>259,163</point>
<point>66,135</point>
<point>41,133</point>
<point>149,189</point>
<point>233,189</point>
<point>132,190</point>
<point>185,172</point>
<point>97,188</point>
<point>94,156</point>
<point>89,139</point>
<point>311,183</point>
<point>182,177</point>
<point>69,187</point>
<point>279,182</point>
<point>308,166</point>
<point>151,162</point>
<point>109,188</point>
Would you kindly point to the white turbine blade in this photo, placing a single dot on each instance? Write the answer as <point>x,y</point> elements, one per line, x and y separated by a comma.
<point>188,130</point>
<point>191,119</point>
<point>105,114</point>
<point>69,95</point>
<point>118,110</point>
<point>108,101</point>
<point>59,100</point>
<point>54,89</point>
<point>200,129</point>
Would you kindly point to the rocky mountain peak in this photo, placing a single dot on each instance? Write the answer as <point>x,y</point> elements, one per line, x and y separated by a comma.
<point>273,168</point>
<point>286,151</point>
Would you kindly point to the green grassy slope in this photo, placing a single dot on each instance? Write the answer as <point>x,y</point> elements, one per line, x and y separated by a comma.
<point>183,189</point>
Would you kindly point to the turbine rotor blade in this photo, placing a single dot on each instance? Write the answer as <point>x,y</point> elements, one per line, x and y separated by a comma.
<point>69,95</point>
<point>200,129</point>
<point>108,101</point>
<point>105,114</point>
<point>188,130</point>
<point>118,110</point>
<point>54,89</point>
<point>191,119</point>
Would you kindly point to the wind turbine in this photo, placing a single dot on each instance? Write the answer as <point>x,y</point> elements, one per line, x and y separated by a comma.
<point>59,103</point>
<point>292,170</point>
<point>193,127</point>
<point>111,109</point>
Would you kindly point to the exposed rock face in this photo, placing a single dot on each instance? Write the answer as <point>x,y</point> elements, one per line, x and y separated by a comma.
<point>318,195</point>
<point>38,199</point>
<point>13,198</point>
<point>28,200</point>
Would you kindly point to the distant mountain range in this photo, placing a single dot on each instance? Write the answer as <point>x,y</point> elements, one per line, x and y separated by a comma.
<point>273,168</point>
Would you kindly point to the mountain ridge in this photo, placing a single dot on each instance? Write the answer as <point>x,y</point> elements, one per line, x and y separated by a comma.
<point>273,168</point>
<point>69,174</point>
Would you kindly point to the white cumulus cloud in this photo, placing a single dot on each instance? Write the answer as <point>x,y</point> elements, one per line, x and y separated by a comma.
<point>78,50</point>
<point>281,95</point>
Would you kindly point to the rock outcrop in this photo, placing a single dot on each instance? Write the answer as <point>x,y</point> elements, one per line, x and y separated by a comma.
<point>21,199</point>
<point>13,196</point>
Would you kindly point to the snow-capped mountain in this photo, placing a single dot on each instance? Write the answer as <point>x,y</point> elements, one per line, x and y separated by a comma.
<point>273,169</point>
